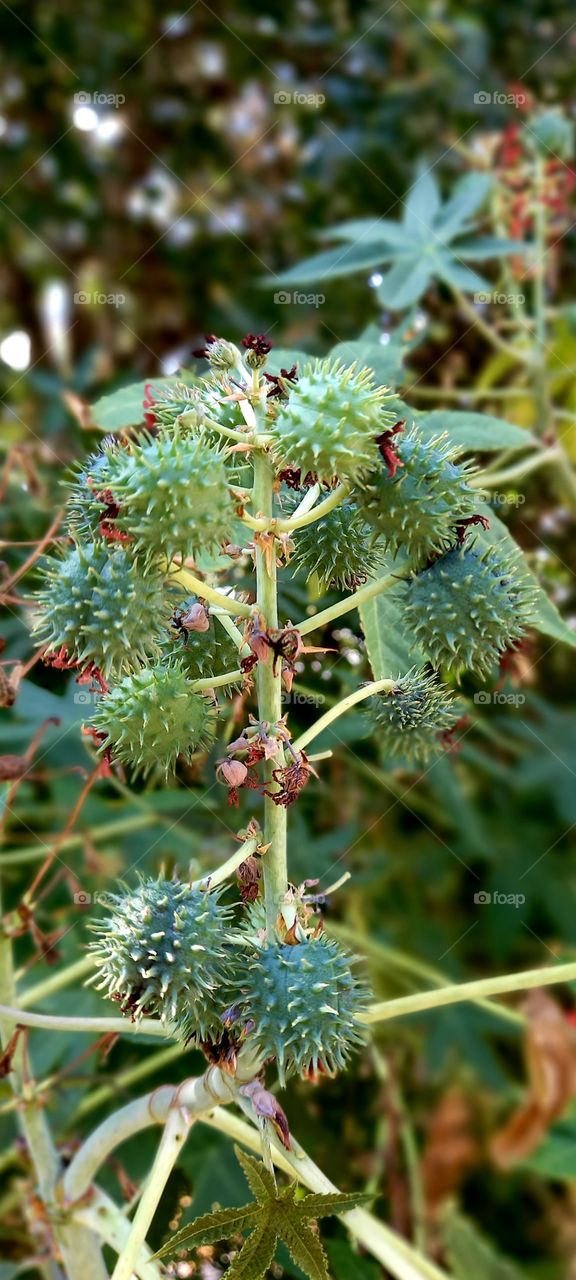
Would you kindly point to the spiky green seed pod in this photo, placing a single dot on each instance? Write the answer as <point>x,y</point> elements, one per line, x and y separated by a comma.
<point>169,402</point>
<point>153,716</point>
<point>411,718</point>
<point>328,424</point>
<point>162,952</point>
<point>301,1004</point>
<point>417,508</point>
<point>87,487</point>
<point>102,608</point>
<point>337,548</point>
<point>205,653</point>
<point>469,606</point>
<point>172,493</point>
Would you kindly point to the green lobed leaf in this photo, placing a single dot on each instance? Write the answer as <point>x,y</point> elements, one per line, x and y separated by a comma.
<point>331,264</point>
<point>479,431</point>
<point>385,360</point>
<point>258,1177</point>
<point>212,1226</point>
<point>125,407</point>
<point>485,247</point>
<point>407,280</point>
<point>323,1204</point>
<point>371,230</point>
<point>457,274</point>
<point>422,204</point>
<point>467,197</point>
<point>306,1250</point>
<point>256,1254</point>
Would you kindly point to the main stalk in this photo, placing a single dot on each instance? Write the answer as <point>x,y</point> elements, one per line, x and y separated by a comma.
<point>269,686</point>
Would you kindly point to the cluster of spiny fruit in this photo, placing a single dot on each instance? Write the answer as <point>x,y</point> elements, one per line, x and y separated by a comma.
<point>153,499</point>
<point>170,491</point>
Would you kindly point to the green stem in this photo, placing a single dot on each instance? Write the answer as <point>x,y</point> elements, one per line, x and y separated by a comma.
<point>81,1254</point>
<point>216,682</point>
<point>470,991</point>
<point>354,601</point>
<point>227,869</point>
<point>200,588</point>
<point>275,870</point>
<point>366,691</point>
<point>56,982</point>
<point>521,469</point>
<point>276,524</point>
<point>492,336</point>
<point>539,296</point>
<point>173,1138</point>
<point>385,957</point>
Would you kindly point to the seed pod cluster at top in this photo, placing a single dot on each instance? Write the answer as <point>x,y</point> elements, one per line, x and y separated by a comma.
<point>152,716</point>
<point>417,508</point>
<point>164,494</point>
<point>329,422</point>
<point>470,605</point>
<point>338,548</point>
<point>162,951</point>
<point>101,607</point>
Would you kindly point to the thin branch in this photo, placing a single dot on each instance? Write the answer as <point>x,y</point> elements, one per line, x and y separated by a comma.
<point>366,691</point>
<point>374,588</point>
<point>459,992</point>
<point>200,588</point>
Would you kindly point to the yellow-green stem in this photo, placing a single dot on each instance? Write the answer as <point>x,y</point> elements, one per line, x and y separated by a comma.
<point>269,684</point>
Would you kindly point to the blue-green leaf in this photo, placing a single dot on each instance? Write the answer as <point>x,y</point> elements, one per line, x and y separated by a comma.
<point>331,264</point>
<point>422,205</point>
<point>468,196</point>
<point>406,281</point>
<point>479,431</point>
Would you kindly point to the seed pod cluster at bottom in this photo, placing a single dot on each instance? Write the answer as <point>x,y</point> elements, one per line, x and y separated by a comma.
<point>162,952</point>
<point>301,1005</point>
<point>412,717</point>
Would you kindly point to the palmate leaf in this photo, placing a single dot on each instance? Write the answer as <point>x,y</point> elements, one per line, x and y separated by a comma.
<point>258,1177</point>
<point>306,1250</point>
<point>212,1226</point>
<point>425,244</point>
<point>256,1254</point>
<point>276,1215</point>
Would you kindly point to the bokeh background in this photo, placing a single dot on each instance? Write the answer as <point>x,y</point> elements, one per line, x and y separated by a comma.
<point>154,183</point>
